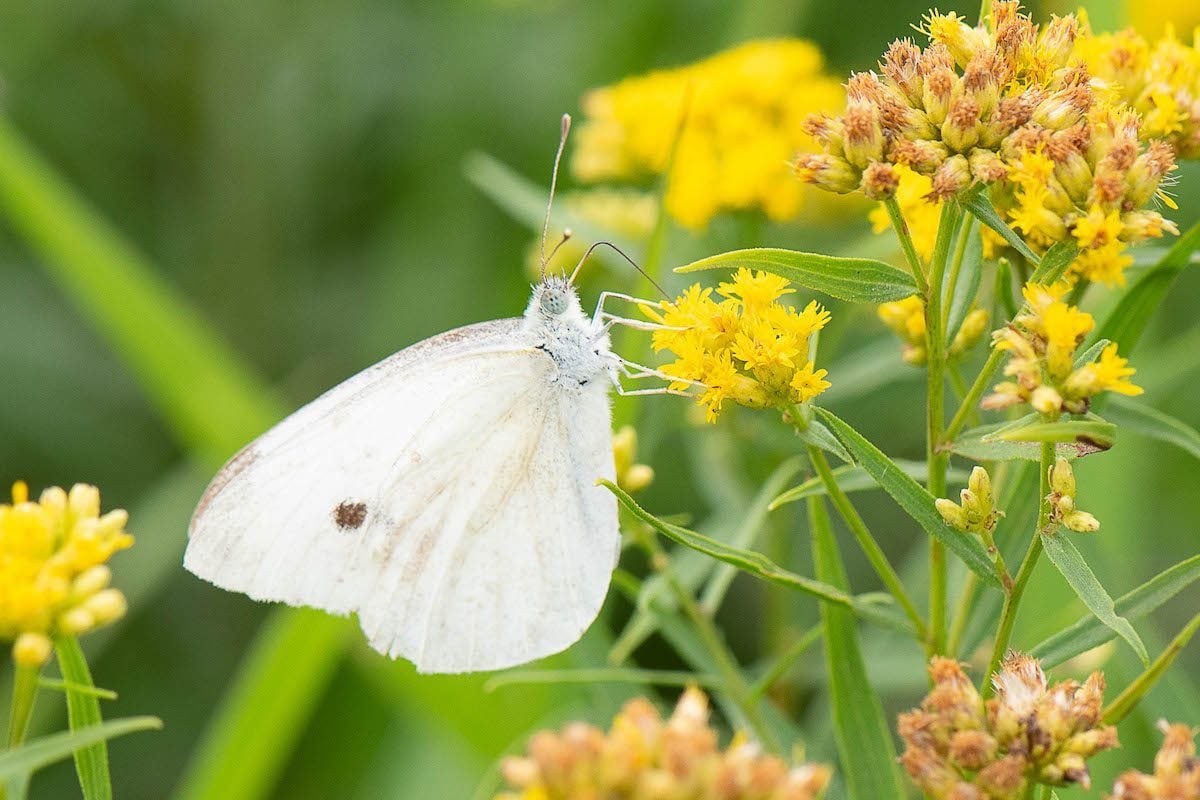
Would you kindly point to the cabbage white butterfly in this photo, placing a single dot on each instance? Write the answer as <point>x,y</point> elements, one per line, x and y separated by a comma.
<point>447,495</point>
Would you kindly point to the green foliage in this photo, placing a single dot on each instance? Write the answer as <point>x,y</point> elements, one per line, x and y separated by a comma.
<point>83,711</point>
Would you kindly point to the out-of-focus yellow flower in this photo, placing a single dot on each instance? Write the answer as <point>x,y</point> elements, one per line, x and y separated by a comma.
<point>958,746</point>
<point>53,577</point>
<point>747,348</point>
<point>906,319</point>
<point>631,476</point>
<point>1176,770</point>
<point>1013,107</point>
<point>626,213</point>
<point>744,109</point>
<point>1041,344</point>
<point>643,757</point>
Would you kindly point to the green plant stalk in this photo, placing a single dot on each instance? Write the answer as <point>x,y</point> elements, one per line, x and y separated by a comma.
<point>967,407</point>
<point>1008,615</point>
<point>935,351</point>
<point>962,614</point>
<point>785,661</point>
<point>906,244</point>
<point>960,251</point>
<point>83,710</point>
<point>24,693</point>
<point>870,547</point>
<point>1119,708</point>
<point>733,682</point>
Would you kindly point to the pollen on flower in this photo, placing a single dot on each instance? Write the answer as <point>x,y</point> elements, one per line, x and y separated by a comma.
<point>1042,343</point>
<point>52,573</point>
<point>643,756</point>
<point>748,348</point>
<point>741,113</point>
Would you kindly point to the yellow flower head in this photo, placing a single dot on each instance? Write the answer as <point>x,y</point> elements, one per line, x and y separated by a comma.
<point>643,756</point>
<point>734,121</point>
<point>53,577</point>
<point>747,348</point>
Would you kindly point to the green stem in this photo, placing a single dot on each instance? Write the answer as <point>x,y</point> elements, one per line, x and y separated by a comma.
<point>935,348</point>
<point>870,547</point>
<point>960,252</point>
<point>24,693</point>
<point>1008,615</point>
<point>967,407</point>
<point>906,244</point>
<point>962,614</point>
<point>731,675</point>
<point>785,661</point>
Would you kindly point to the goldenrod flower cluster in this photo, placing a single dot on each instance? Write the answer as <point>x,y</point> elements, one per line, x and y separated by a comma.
<point>1160,80</point>
<point>644,758</point>
<point>1176,770</point>
<point>1009,106</point>
<point>1062,500</point>
<point>625,213</point>
<point>747,348</point>
<point>976,512</point>
<point>53,578</point>
<point>959,746</point>
<point>1041,343</point>
<point>631,476</point>
<point>906,319</point>
<point>737,118</point>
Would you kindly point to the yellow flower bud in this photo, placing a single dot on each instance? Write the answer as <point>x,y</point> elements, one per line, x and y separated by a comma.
<point>1062,478</point>
<point>76,621</point>
<point>952,513</point>
<point>107,606</point>
<point>1081,522</point>
<point>91,581</point>
<point>1046,400</point>
<point>32,649</point>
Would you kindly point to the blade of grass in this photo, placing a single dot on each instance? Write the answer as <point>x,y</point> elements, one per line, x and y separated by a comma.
<point>83,711</point>
<point>37,753</point>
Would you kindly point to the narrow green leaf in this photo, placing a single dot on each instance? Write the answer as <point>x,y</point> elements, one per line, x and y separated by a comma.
<point>1154,423</point>
<point>1089,632</point>
<point>1070,562</point>
<point>1085,435</point>
<point>853,478</point>
<point>1054,263</point>
<point>984,443</point>
<point>912,497</point>
<point>970,275</point>
<point>525,201</point>
<point>279,683</point>
<point>866,751</point>
<point>820,437</point>
<point>69,686</point>
<point>37,753</point>
<point>1126,323</point>
<point>760,566</point>
<point>1134,692</point>
<point>981,207</point>
<point>83,711</point>
<point>1003,290</point>
<point>1091,354</point>
<point>856,280</point>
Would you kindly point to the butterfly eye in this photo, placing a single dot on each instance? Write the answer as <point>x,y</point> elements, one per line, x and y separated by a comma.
<point>553,301</point>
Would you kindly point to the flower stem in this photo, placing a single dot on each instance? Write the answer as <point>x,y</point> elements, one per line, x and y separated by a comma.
<point>906,244</point>
<point>870,547</point>
<point>935,348</point>
<point>960,252</point>
<point>1128,699</point>
<point>967,407</point>
<point>966,600</point>
<point>24,692</point>
<point>1009,614</point>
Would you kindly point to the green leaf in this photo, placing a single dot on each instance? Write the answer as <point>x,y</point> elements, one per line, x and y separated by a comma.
<point>1126,323</point>
<point>1070,562</point>
<point>1003,291</point>
<point>852,478</point>
<point>1134,692</point>
<point>856,280</point>
<point>525,201</point>
<point>83,711</point>
<point>281,680</point>
<point>981,207</point>
<point>984,443</point>
<point>1085,435</point>
<point>760,566</point>
<point>37,753</point>
<point>1089,632</point>
<point>820,437</point>
<point>865,747</point>
<point>1091,354</point>
<point>1054,263</point>
<point>1155,424</point>
<point>912,497</point>
<point>970,275</point>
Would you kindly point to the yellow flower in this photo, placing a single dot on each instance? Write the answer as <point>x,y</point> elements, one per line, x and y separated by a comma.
<point>741,111</point>
<point>644,756</point>
<point>53,577</point>
<point>749,348</point>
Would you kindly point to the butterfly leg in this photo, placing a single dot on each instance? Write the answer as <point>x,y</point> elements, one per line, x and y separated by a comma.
<point>660,390</point>
<point>604,296</point>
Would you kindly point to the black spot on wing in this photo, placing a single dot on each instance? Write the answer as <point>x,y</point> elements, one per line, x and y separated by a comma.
<point>349,515</point>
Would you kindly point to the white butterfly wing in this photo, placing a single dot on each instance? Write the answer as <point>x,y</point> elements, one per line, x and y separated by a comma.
<point>446,494</point>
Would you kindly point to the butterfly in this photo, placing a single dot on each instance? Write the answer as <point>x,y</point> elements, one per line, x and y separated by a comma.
<point>446,495</point>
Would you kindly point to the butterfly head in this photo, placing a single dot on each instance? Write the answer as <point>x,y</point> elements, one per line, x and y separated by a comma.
<point>554,298</point>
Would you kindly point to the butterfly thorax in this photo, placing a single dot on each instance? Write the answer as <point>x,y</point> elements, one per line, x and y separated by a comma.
<point>556,323</point>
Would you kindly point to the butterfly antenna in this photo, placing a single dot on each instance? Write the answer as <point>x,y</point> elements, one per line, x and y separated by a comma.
<point>562,143</point>
<point>567,234</point>
<point>623,255</point>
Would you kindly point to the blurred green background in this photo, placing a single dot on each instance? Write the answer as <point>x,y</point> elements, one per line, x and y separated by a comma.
<point>294,170</point>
